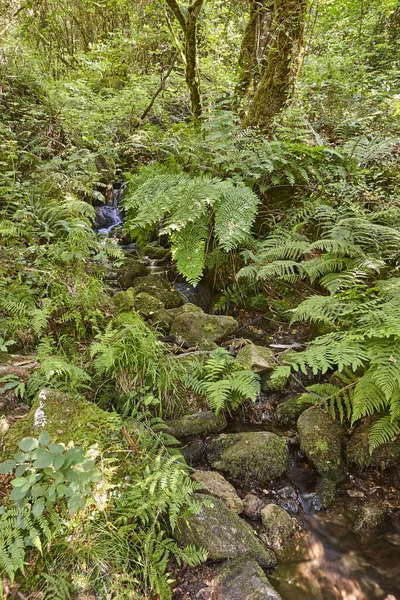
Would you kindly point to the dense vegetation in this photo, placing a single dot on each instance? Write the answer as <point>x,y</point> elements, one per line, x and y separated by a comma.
<point>260,145</point>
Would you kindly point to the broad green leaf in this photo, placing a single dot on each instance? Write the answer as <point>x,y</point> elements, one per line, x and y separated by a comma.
<point>44,458</point>
<point>44,438</point>
<point>27,444</point>
<point>58,462</point>
<point>38,507</point>
<point>21,470</point>
<point>56,448</point>
<point>19,482</point>
<point>61,490</point>
<point>7,466</point>
<point>38,490</point>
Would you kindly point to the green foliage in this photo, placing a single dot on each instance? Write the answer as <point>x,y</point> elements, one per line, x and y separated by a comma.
<point>130,355</point>
<point>47,475</point>
<point>224,385</point>
<point>189,207</point>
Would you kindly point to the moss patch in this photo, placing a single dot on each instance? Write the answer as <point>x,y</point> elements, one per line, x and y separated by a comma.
<point>65,417</point>
<point>255,456</point>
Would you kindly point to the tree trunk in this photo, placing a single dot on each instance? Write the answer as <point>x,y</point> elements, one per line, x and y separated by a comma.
<point>282,63</point>
<point>188,25</point>
<point>252,47</point>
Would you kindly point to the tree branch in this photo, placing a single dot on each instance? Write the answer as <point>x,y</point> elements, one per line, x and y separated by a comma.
<point>178,14</point>
<point>159,89</point>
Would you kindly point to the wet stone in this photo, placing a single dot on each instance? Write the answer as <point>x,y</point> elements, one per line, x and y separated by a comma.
<point>218,486</point>
<point>242,579</point>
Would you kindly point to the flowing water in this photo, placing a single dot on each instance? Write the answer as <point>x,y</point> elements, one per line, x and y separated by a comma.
<point>331,562</point>
<point>109,216</point>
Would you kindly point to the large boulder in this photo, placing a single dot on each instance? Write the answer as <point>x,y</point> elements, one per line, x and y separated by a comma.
<point>222,533</point>
<point>195,328</point>
<point>256,456</point>
<point>384,457</point>
<point>259,359</point>
<point>124,301</point>
<point>321,440</point>
<point>131,270</point>
<point>159,288</point>
<point>163,318</point>
<point>66,417</point>
<point>242,579</point>
<point>218,486</point>
<point>278,526</point>
<point>197,424</point>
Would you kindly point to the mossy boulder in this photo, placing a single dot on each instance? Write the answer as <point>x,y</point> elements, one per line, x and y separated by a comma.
<point>197,424</point>
<point>384,457</point>
<point>222,533</point>
<point>289,411</point>
<point>256,358</point>
<point>242,579</point>
<point>131,270</point>
<point>65,417</point>
<point>197,328</point>
<point>124,301</point>
<point>278,527</point>
<point>164,317</point>
<point>218,486</point>
<point>156,286</point>
<point>147,305</point>
<point>156,252</point>
<point>369,520</point>
<point>321,439</point>
<point>255,456</point>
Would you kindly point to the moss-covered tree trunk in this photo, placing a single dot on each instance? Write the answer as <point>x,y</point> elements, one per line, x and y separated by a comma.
<point>188,23</point>
<point>252,46</point>
<point>282,63</point>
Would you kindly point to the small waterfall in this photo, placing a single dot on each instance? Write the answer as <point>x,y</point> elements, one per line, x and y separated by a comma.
<point>109,216</point>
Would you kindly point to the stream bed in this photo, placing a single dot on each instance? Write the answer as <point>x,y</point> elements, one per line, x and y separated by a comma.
<point>330,561</point>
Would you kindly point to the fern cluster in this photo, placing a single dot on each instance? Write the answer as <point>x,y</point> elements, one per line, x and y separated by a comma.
<point>365,341</point>
<point>189,207</point>
<point>223,383</point>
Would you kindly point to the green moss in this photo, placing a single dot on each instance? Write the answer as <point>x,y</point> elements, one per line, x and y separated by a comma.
<point>65,417</point>
<point>255,456</point>
<point>257,358</point>
<point>199,328</point>
<point>384,457</point>
<point>321,440</point>
<point>147,305</point>
<point>197,424</point>
<point>124,301</point>
<point>158,288</point>
<point>164,318</point>
<point>289,411</point>
<point>131,270</point>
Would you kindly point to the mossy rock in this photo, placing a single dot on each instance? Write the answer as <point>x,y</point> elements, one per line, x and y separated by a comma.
<point>222,533</point>
<point>384,457</point>
<point>164,317</point>
<point>124,301</point>
<point>278,526</point>
<point>159,288</point>
<point>256,456</point>
<point>147,305</point>
<point>321,439</point>
<point>157,252</point>
<point>200,329</point>
<point>131,270</point>
<point>197,424</point>
<point>242,579</point>
<point>289,411</point>
<point>256,358</point>
<point>66,418</point>
<point>218,486</point>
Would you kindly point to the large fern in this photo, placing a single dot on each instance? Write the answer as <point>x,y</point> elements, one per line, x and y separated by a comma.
<point>189,208</point>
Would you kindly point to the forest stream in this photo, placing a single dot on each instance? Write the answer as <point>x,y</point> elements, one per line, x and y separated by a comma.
<point>330,561</point>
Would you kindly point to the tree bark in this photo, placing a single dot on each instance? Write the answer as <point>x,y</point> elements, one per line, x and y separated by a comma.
<point>282,63</point>
<point>188,25</point>
<point>252,47</point>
